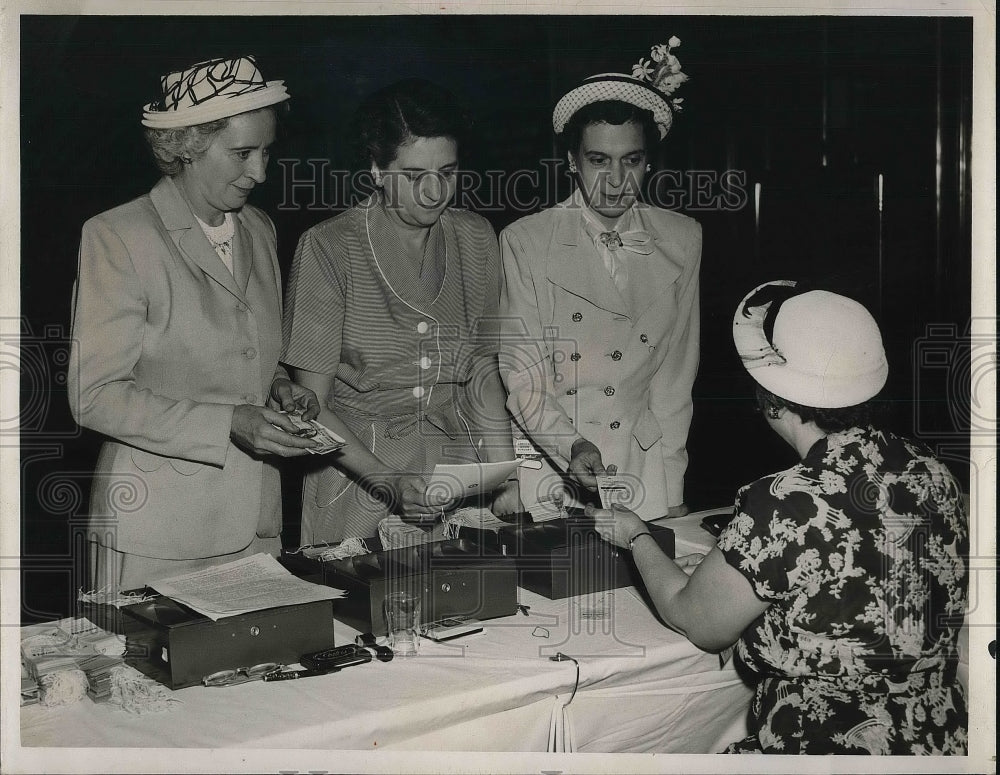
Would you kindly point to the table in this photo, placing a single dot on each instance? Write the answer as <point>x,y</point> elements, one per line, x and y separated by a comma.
<point>642,688</point>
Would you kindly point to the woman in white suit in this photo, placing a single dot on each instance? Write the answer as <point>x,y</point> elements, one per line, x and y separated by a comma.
<point>176,335</point>
<point>600,303</point>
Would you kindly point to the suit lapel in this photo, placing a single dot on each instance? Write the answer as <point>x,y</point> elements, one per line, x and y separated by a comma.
<point>651,277</point>
<point>188,236</point>
<point>576,266</point>
<point>243,255</point>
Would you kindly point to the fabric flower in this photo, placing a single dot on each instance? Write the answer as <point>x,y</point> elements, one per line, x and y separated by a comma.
<point>674,41</point>
<point>642,69</point>
<point>668,84</point>
<point>658,53</point>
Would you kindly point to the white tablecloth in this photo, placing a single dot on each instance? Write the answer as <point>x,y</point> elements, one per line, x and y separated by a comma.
<point>641,688</point>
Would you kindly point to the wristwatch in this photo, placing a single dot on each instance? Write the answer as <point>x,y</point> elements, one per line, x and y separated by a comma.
<point>632,540</point>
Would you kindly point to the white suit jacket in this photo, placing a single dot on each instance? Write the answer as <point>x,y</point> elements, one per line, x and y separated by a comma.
<point>580,360</point>
<point>166,341</point>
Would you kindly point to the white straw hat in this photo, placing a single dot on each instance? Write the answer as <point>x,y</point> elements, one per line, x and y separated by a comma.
<point>614,86</point>
<point>650,86</point>
<point>211,90</point>
<point>825,350</point>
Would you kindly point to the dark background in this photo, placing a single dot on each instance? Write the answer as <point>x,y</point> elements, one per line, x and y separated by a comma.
<point>811,109</point>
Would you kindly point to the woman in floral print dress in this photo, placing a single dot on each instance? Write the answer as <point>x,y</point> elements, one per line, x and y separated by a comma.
<point>842,579</point>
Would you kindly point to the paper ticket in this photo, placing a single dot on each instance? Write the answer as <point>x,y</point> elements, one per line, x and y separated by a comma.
<point>614,489</point>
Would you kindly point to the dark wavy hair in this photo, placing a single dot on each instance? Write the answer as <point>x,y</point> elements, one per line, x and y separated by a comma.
<point>608,112</point>
<point>403,111</point>
<point>827,420</point>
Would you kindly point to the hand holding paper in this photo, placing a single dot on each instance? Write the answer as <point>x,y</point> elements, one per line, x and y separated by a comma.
<point>619,489</point>
<point>453,481</point>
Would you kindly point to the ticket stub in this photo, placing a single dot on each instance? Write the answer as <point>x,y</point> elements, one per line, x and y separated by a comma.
<point>615,489</point>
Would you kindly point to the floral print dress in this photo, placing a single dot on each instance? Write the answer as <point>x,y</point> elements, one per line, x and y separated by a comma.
<point>861,550</point>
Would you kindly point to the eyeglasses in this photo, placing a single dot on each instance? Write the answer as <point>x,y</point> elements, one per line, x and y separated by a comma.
<point>241,675</point>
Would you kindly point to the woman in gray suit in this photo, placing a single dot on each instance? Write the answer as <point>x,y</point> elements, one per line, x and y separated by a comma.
<point>176,335</point>
<point>600,303</point>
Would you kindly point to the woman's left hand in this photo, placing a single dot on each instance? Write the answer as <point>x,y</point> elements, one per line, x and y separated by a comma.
<point>507,499</point>
<point>617,525</point>
<point>291,397</point>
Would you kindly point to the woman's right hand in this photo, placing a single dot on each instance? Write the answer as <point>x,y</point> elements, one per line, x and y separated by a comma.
<point>407,496</point>
<point>586,464</point>
<point>253,430</point>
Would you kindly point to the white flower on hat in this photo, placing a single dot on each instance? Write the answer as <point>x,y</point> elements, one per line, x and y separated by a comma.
<point>664,72</point>
<point>642,70</point>
<point>669,83</point>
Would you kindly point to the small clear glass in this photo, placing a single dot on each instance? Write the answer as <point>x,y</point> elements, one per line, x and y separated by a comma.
<point>402,618</point>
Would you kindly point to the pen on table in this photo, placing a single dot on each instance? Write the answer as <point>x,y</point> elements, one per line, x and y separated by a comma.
<point>288,675</point>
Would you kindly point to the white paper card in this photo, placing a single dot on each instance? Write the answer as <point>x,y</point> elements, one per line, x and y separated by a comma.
<point>616,489</point>
<point>463,479</point>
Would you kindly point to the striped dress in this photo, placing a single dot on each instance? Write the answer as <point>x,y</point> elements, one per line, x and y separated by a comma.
<point>405,355</point>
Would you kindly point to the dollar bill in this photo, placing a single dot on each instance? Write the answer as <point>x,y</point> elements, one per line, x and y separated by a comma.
<point>315,430</point>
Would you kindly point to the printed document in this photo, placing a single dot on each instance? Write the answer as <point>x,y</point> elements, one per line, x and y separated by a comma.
<point>249,584</point>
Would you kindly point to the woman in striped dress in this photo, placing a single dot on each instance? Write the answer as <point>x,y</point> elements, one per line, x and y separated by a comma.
<point>391,319</point>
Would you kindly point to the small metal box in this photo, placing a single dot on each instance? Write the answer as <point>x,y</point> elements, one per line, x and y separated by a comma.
<point>454,578</point>
<point>566,557</point>
<point>178,646</point>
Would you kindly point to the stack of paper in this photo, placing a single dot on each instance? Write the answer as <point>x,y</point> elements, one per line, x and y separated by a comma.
<point>250,584</point>
<point>29,688</point>
<point>98,669</point>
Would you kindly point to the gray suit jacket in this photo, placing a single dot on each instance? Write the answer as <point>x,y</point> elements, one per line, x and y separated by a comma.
<point>166,341</point>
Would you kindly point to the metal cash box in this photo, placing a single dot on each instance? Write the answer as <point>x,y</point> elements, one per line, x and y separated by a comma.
<point>178,647</point>
<point>565,557</point>
<point>454,578</point>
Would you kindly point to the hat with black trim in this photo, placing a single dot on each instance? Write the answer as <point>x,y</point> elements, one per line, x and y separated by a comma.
<point>650,86</point>
<point>824,350</point>
<point>211,90</point>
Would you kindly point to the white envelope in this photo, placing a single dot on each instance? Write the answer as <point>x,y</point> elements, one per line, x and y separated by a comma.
<point>463,479</point>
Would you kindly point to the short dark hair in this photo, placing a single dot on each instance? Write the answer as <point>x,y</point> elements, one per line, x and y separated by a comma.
<point>827,420</point>
<point>608,112</point>
<point>405,110</point>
